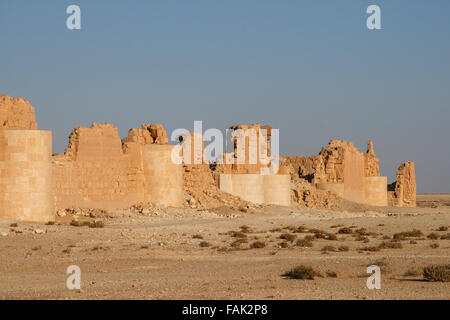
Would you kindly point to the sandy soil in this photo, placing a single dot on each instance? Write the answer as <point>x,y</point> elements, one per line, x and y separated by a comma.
<point>154,255</point>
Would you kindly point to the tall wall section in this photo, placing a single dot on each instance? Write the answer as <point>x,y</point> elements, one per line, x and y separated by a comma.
<point>26,191</point>
<point>98,170</point>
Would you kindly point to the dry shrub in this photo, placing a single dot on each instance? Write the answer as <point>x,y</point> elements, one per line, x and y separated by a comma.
<point>345,230</point>
<point>407,234</point>
<point>288,237</point>
<point>442,228</point>
<point>304,243</point>
<point>197,236</point>
<point>445,236</point>
<point>433,236</point>
<point>238,242</point>
<point>361,238</point>
<point>283,244</point>
<point>258,245</point>
<point>302,272</point>
<point>437,273</point>
<point>97,224</point>
<point>331,274</point>
<point>328,249</point>
<point>373,249</point>
<point>237,234</point>
<point>390,245</point>
<point>77,223</point>
<point>204,244</point>
<point>343,248</point>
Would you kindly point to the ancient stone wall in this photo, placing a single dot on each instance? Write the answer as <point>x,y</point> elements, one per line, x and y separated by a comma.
<point>342,169</point>
<point>257,188</point>
<point>26,191</point>
<point>402,193</point>
<point>98,170</point>
<point>16,113</point>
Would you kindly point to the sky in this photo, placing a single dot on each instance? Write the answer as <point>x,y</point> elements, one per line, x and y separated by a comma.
<point>311,68</point>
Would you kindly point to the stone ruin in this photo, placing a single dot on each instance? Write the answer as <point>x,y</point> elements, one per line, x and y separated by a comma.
<point>100,170</point>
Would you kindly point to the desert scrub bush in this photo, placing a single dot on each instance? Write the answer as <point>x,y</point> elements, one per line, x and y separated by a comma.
<point>362,232</point>
<point>331,236</point>
<point>97,224</point>
<point>302,272</point>
<point>343,248</point>
<point>309,238</point>
<point>304,243</point>
<point>413,242</point>
<point>328,249</point>
<point>197,236</point>
<point>331,274</point>
<point>245,229</point>
<point>237,243</point>
<point>14,225</point>
<point>445,236</point>
<point>407,234</point>
<point>437,273</point>
<point>345,230</point>
<point>434,245</point>
<point>50,223</point>
<point>288,236</point>
<point>237,234</point>
<point>204,244</point>
<point>372,249</point>
<point>390,245</point>
<point>258,245</point>
<point>300,229</point>
<point>68,250</point>
<point>442,228</point>
<point>361,238</point>
<point>77,223</point>
<point>433,236</point>
<point>283,244</point>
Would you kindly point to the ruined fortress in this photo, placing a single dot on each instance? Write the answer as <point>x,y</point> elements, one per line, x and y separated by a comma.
<point>100,170</point>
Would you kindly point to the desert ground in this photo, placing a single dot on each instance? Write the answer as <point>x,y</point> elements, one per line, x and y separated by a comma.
<point>228,253</point>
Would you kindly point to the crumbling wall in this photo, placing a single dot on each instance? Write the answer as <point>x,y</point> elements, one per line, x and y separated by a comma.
<point>402,193</point>
<point>251,149</point>
<point>343,170</point>
<point>16,113</point>
<point>98,170</point>
<point>26,191</point>
<point>371,162</point>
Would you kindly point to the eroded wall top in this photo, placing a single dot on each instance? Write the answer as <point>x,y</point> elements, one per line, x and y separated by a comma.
<point>16,113</point>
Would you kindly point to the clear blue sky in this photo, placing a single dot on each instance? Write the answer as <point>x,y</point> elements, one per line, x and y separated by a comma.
<point>310,68</point>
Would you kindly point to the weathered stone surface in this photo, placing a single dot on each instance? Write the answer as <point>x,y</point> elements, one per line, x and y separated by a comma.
<point>402,193</point>
<point>98,170</point>
<point>16,113</point>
